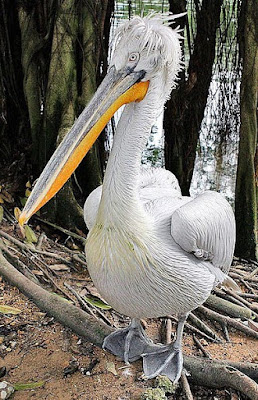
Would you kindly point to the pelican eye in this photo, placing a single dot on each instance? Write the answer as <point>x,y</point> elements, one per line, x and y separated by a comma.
<point>133,57</point>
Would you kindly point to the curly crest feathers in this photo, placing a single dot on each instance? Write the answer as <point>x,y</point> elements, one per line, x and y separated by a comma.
<point>157,44</point>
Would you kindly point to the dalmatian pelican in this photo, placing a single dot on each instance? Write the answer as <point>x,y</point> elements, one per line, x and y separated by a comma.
<point>150,251</point>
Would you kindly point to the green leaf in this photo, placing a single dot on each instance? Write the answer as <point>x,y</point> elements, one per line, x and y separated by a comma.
<point>23,200</point>
<point>94,301</point>
<point>17,213</point>
<point>9,310</point>
<point>27,192</point>
<point>1,214</point>
<point>30,235</point>
<point>29,385</point>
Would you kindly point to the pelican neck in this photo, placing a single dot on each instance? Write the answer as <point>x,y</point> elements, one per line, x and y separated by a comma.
<point>120,194</point>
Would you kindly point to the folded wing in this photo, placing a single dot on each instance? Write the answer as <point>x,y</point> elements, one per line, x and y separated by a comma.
<point>205,226</point>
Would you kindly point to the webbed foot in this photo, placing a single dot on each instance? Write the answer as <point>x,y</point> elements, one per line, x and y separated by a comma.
<point>163,360</point>
<point>127,343</point>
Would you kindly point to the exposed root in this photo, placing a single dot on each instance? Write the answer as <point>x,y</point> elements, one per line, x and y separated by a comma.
<point>227,321</point>
<point>219,375</point>
<point>239,376</point>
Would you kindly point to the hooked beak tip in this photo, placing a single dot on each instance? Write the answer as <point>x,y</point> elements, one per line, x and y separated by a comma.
<point>22,219</point>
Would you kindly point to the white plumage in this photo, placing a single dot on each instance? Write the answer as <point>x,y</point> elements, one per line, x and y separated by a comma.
<point>150,251</point>
<point>140,216</point>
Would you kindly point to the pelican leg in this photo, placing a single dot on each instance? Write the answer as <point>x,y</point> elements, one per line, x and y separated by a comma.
<point>165,359</point>
<point>128,343</point>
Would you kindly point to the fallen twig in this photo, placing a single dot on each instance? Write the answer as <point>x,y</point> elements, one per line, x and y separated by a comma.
<point>249,295</point>
<point>203,327</point>
<point>244,283</point>
<point>246,277</point>
<point>31,249</point>
<point>200,346</point>
<point>186,387</point>
<point>52,282</point>
<point>17,262</point>
<point>85,305</point>
<point>42,236</point>
<point>253,273</point>
<point>28,273</point>
<point>168,331</point>
<point>66,231</point>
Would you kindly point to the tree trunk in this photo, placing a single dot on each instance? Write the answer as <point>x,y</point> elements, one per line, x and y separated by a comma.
<point>30,44</point>
<point>59,110</point>
<point>14,127</point>
<point>61,77</point>
<point>184,111</point>
<point>247,185</point>
<point>90,172</point>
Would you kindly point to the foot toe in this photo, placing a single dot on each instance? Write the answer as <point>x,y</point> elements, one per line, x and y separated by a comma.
<point>166,361</point>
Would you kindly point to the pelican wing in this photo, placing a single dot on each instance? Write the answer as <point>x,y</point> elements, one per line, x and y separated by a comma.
<point>91,207</point>
<point>205,226</point>
<point>154,183</point>
<point>157,183</point>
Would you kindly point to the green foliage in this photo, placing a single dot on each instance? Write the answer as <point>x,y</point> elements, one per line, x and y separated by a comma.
<point>9,310</point>
<point>96,302</point>
<point>29,385</point>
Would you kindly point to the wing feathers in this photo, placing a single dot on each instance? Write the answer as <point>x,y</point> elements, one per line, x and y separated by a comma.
<point>205,227</point>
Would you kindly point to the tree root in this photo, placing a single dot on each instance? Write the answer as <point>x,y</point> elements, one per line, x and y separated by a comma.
<point>227,321</point>
<point>67,314</point>
<point>229,308</point>
<point>253,307</point>
<point>218,375</point>
<point>204,372</point>
<point>197,331</point>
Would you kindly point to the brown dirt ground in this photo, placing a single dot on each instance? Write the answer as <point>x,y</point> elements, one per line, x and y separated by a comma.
<point>33,348</point>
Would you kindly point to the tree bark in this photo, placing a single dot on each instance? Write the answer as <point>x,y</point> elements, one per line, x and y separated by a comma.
<point>184,111</point>
<point>30,45</point>
<point>90,172</point>
<point>59,110</point>
<point>246,202</point>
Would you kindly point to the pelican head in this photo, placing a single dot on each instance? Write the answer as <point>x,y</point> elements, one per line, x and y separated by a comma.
<point>148,44</point>
<point>146,55</point>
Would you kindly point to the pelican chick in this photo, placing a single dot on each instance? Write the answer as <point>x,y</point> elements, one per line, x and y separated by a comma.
<point>150,251</point>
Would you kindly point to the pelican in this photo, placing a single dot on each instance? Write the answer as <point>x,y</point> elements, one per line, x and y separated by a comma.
<point>150,251</point>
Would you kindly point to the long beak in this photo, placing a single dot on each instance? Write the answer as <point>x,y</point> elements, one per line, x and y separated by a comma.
<point>116,89</point>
